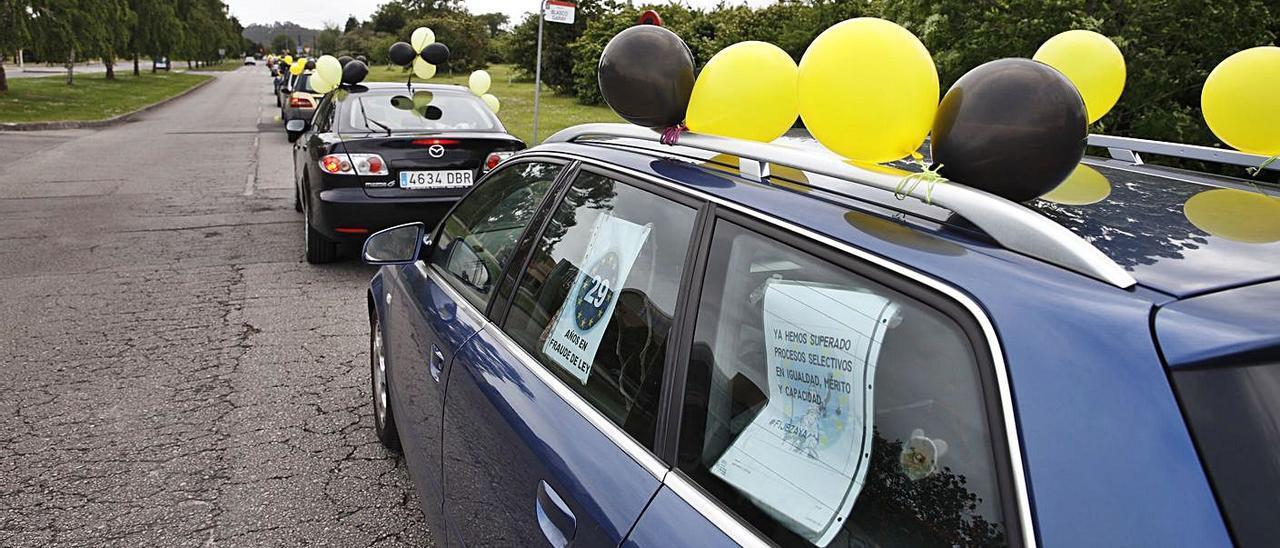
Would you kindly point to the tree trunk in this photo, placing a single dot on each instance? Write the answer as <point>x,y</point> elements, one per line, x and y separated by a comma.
<point>4,81</point>
<point>71,66</point>
<point>135,63</point>
<point>110,62</point>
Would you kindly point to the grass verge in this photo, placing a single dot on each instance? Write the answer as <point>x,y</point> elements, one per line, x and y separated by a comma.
<point>557,111</point>
<point>92,98</point>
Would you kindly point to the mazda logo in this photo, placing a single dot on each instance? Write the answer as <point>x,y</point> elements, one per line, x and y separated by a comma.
<point>436,151</point>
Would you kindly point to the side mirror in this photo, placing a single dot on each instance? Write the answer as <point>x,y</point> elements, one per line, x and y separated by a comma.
<point>295,128</point>
<point>396,245</point>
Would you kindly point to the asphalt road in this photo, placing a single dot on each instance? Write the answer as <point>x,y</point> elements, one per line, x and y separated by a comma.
<point>173,373</point>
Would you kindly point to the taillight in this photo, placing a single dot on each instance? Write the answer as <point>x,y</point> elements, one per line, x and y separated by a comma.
<point>429,142</point>
<point>353,164</point>
<point>300,102</point>
<point>494,159</point>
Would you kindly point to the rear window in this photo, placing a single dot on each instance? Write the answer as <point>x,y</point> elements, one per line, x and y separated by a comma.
<point>420,110</point>
<point>1234,414</point>
<point>303,83</point>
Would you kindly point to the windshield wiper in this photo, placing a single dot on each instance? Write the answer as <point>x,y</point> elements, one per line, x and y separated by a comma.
<point>367,120</point>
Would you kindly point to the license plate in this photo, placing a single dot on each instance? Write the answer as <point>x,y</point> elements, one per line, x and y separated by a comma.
<point>420,180</point>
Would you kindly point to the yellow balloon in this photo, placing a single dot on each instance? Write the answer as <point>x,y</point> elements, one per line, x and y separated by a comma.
<point>1241,101</point>
<point>288,59</point>
<point>330,68</point>
<point>1092,62</point>
<point>746,91</point>
<point>321,84</point>
<point>1083,187</point>
<point>423,69</point>
<point>492,101</point>
<point>480,82</point>
<point>298,66</point>
<point>1237,215</point>
<point>421,38</point>
<point>868,90</point>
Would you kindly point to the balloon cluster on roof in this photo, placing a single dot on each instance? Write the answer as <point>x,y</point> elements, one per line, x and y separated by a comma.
<point>422,53</point>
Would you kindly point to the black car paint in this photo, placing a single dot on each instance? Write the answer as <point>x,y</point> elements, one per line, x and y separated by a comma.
<point>362,201</point>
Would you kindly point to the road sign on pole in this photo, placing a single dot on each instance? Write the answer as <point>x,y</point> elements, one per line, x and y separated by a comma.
<point>556,11</point>
<point>559,11</point>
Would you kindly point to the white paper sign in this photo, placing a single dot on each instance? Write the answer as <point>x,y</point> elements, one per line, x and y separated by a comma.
<point>558,11</point>
<point>574,336</point>
<point>804,458</point>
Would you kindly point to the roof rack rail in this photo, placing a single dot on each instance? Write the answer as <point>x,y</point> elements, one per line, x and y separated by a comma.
<point>1127,148</point>
<point>1012,225</point>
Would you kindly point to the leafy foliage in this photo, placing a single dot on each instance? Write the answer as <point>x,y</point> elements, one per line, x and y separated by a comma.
<point>1170,46</point>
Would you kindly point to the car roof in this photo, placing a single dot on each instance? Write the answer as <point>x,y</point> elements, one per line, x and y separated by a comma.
<point>366,87</point>
<point>1140,224</point>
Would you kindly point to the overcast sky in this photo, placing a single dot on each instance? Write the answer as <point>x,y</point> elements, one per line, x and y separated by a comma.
<point>315,13</point>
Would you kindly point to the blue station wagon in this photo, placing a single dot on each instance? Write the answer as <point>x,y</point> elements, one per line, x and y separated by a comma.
<point>611,341</point>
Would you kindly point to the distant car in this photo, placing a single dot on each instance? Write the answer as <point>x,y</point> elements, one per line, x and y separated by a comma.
<point>297,99</point>
<point>381,154</point>
<point>161,63</point>
<point>250,60</point>
<point>615,342</point>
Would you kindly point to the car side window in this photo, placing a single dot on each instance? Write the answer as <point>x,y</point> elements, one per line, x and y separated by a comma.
<point>477,239</point>
<point>826,409</point>
<point>595,304</point>
<point>323,118</point>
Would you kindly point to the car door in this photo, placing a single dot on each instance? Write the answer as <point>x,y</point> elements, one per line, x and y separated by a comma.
<point>437,303</point>
<point>828,402</point>
<point>552,417</point>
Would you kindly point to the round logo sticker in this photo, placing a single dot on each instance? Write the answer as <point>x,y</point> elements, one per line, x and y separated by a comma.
<point>596,292</point>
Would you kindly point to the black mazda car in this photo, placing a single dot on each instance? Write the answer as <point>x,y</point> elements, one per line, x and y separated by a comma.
<point>381,154</point>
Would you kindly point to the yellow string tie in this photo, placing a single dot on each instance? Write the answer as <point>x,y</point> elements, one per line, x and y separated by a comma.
<point>927,176</point>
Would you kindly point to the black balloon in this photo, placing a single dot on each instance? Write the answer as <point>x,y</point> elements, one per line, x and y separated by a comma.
<point>432,112</point>
<point>362,59</point>
<point>345,59</point>
<point>646,76</point>
<point>311,64</point>
<point>435,53</point>
<point>401,53</point>
<point>1012,127</point>
<point>354,72</point>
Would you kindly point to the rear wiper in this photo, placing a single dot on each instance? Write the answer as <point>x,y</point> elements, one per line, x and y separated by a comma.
<point>367,120</point>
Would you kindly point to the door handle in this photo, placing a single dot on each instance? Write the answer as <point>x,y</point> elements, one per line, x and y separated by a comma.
<point>437,362</point>
<point>554,517</point>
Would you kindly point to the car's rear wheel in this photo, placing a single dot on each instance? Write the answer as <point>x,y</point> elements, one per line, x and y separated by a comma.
<point>384,423</point>
<point>317,247</point>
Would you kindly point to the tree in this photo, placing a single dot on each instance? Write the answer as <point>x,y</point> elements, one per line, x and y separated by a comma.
<point>118,22</point>
<point>327,40</point>
<point>13,18</point>
<point>466,36</point>
<point>156,30</point>
<point>390,18</point>
<point>352,25</point>
<point>65,29</point>
<point>494,22</point>
<point>283,42</point>
<point>557,55</point>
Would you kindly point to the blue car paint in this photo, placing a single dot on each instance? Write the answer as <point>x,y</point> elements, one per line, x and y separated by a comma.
<point>1104,442</point>
<point>1107,454</point>
<point>669,514</point>
<point>1238,326</point>
<point>506,430</point>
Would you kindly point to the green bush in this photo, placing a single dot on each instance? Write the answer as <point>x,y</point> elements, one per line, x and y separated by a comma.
<point>1170,46</point>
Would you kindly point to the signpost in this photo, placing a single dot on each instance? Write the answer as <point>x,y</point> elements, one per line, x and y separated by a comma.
<point>556,11</point>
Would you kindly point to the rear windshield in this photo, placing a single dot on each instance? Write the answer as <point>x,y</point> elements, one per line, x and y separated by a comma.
<point>302,82</point>
<point>417,111</point>
<point>1235,418</point>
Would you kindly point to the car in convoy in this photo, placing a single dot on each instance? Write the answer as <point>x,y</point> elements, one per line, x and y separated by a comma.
<point>609,341</point>
<point>297,99</point>
<point>382,154</point>
<point>249,60</point>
